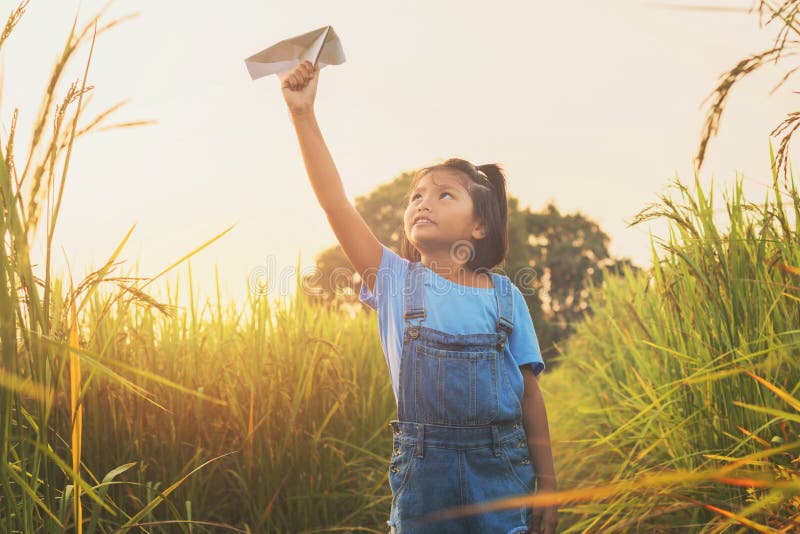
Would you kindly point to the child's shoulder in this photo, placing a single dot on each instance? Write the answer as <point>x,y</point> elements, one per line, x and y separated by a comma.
<point>391,260</point>
<point>518,296</point>
<point>508,283</point>
<point>389,278</point>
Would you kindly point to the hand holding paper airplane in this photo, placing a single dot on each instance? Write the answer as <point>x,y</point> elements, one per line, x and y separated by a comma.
<point>321,47</point>
<point>299,87</point>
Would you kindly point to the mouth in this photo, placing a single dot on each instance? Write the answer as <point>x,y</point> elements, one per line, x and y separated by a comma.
<point>422,220</point>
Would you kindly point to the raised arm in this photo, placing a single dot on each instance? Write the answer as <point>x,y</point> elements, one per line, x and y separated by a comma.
<point>299,87</point>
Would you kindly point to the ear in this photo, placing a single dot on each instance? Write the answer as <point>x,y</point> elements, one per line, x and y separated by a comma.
<point>479,232</point>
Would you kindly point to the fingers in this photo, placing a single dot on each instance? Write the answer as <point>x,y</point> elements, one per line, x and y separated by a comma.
<point>550,520</point>
<point>536,524</point>
<point>300,76</point>
<point>543,521</point>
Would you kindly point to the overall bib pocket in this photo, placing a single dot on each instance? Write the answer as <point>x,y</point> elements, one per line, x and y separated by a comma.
<point>455,387</point>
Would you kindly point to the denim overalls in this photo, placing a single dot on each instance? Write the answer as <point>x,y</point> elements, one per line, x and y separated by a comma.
<point>458,438</point>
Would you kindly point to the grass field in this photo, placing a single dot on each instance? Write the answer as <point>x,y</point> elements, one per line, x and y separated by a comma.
<point>674,407</point>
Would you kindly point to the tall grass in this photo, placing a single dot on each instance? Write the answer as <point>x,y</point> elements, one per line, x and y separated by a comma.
<point>305,402</point>
<point>42,473</point>
<point>31,465</point>
<point>690,369</point>
<point>118,410</point>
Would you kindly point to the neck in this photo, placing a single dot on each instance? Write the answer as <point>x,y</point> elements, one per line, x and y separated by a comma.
<point>447,268</point>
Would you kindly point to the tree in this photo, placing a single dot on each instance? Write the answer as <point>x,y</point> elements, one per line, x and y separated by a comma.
<point>551,258</point>
<point>566,251</point>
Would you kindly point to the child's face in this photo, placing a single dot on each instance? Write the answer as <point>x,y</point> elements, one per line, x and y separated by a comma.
<point>440,196</point>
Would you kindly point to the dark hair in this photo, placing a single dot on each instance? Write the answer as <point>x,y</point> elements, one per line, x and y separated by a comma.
<point>487,188</point>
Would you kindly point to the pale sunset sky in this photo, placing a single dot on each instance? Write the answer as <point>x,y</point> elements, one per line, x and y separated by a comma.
<point>594,105</point>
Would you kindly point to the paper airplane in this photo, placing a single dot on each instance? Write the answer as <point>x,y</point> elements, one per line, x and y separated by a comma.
<point>321,47</point>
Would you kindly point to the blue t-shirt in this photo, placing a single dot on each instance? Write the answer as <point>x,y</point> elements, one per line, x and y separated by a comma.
<point>450,307</point>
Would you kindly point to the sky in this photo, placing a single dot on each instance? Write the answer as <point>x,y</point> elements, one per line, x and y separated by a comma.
<point>593,105</point>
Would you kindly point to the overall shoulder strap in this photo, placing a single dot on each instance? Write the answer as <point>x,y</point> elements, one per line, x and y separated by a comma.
<point>413,291</point>
<point>505,302</point>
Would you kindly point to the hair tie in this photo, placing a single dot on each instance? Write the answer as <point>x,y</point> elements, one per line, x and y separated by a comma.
<point>483,174</point>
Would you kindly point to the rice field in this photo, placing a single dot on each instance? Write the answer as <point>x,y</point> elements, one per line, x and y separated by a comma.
<point>674,407</point>
<point>685,379</point>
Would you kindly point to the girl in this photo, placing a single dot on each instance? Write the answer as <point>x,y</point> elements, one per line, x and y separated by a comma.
<point>458,339</point>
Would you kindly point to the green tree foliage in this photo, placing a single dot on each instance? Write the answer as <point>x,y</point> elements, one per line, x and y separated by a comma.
<point>566,251</point>
<point>551,259</point>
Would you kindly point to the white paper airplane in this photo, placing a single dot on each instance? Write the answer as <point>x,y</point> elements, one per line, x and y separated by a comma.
<point>321,47</point>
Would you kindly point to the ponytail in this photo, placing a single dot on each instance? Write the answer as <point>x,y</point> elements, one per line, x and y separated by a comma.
<point>494,173</point>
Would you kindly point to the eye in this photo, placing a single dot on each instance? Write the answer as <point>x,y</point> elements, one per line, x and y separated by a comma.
<point>443,193</point>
